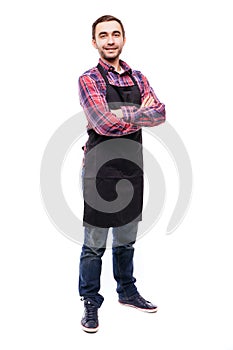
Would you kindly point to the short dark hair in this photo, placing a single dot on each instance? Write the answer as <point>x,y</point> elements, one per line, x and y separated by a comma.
<point>106,18</point>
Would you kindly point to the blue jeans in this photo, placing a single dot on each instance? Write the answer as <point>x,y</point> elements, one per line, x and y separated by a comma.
<point>122,255</point>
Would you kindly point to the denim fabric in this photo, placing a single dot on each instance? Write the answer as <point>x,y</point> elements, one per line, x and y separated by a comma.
<point>91,261</point>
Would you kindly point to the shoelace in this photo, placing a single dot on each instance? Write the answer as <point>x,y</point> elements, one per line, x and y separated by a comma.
<point>91,311</point>
<point>145,302</point>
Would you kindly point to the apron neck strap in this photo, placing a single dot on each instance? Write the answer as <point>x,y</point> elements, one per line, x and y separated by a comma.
<point>104,74</point>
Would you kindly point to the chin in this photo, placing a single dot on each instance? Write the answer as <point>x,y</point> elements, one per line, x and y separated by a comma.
<point>110,58</point>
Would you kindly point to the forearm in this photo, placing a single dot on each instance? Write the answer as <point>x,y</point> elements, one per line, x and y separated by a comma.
<point>150,113</point>
<point>144,116</point>
<point>98,114</point>
<point>108,124</point>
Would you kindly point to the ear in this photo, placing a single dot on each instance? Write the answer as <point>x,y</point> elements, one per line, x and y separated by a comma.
<point>94,43</point>
<point>124,40</point>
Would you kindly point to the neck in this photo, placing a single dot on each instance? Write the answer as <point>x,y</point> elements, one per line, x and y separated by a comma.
<point>115,63</point>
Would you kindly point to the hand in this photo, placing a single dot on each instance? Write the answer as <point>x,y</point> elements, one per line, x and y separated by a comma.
<point>148,101</point>
<point>118,113</point>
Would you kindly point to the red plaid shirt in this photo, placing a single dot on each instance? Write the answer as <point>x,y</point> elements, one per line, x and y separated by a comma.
<point>92,94</point>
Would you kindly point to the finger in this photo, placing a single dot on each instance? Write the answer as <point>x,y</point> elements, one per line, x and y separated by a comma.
<point>148,101</point>
<point>144,102</point>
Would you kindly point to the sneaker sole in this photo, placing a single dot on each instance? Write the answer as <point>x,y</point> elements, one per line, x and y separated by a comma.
<point>89,330</point>
<point>140,309</point>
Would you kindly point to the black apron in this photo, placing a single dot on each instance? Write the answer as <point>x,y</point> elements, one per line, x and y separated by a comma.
<point>108,160</point>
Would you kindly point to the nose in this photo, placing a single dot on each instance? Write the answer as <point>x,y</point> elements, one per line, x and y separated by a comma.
<point>110,40</point>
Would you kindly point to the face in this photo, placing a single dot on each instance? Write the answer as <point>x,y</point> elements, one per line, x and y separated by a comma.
<point>109,40</point>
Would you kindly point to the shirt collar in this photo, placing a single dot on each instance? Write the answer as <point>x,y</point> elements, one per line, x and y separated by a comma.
<point>110,68</point>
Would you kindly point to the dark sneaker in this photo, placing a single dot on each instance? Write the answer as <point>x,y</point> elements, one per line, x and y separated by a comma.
<point>90,321</point>
<point>138,302</point>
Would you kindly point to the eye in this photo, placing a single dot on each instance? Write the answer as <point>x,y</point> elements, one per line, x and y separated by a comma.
<point>102,36</point>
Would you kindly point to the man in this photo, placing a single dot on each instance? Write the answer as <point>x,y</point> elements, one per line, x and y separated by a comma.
<point>117,102</point>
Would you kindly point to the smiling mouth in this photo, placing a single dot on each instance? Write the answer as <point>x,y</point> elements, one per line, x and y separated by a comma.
<point>111,49</point>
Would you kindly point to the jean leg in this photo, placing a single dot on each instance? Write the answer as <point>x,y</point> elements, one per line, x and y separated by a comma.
<point>123,253</point>
<point>91,263</point>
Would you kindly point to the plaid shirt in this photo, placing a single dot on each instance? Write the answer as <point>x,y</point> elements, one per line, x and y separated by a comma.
<point>92,94</point>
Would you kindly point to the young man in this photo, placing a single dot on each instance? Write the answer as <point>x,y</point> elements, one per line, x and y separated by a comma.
<point>117,102</point>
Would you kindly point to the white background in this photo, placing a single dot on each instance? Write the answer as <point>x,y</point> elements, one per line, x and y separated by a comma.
<point>185,50</point>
